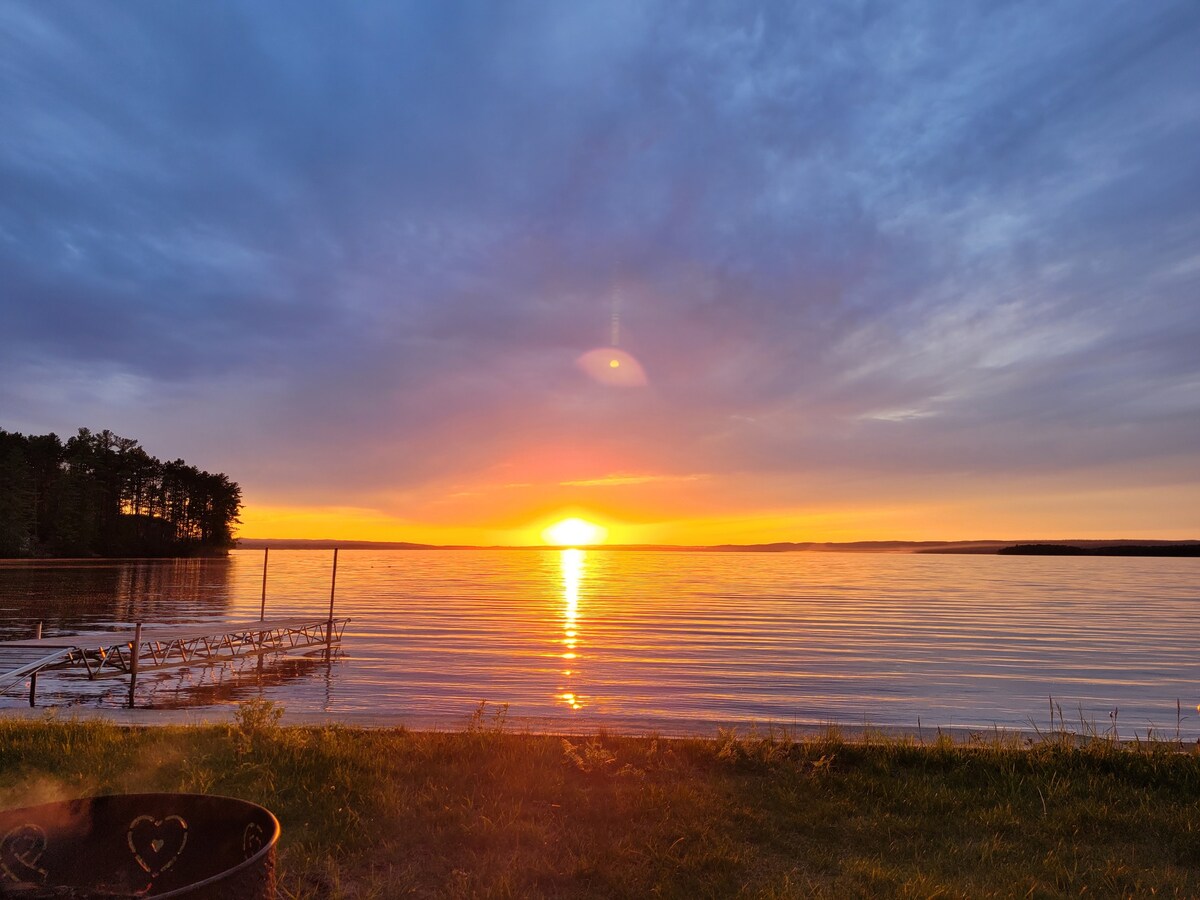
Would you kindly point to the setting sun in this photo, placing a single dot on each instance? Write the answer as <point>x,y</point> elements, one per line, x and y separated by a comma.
<point>574,533</point>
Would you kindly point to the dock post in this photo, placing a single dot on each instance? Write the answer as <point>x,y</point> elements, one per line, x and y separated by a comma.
<point>332,588</point>
<point>37,636</point>
<point>262,610</point>
<point>136,651</point>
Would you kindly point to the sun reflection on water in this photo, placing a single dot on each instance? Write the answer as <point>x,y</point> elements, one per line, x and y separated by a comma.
<point>572,562</point>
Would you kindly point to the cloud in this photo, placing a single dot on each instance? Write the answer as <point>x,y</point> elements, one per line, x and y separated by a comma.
<point>620,480</point>
<point>349,252</point>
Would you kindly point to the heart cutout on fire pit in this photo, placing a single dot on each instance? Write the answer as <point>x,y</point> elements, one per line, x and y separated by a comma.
<point>20,851</point>
<point>157,843</point>
<point>252,839</point>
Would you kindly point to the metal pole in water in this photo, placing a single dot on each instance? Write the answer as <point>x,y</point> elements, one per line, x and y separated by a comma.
<point>135,652</point>
<point>37,636</point>
<point>332,589</point>
<point>262,610</point>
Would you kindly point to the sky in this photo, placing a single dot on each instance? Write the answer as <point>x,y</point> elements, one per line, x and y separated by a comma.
<point>894,270</point>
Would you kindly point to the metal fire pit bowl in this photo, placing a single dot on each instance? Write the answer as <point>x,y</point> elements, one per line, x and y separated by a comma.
<point>139,845</point>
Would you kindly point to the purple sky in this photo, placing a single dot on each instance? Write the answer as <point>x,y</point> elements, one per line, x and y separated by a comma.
<point>891,269</point>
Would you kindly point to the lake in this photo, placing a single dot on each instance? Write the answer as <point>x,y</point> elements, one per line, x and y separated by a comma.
<point>672,642</point>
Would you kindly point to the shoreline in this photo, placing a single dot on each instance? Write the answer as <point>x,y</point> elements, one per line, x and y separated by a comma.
<point>811,732</point>
<point>1091,547</point>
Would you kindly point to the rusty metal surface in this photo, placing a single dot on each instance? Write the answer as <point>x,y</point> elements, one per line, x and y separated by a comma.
<point>139,845</point>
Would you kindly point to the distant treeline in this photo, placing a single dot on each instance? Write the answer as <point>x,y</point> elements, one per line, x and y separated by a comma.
<point>103,495</point>
<point>1117,550</point>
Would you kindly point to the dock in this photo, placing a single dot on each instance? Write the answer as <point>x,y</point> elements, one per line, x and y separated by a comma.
<point>143,649</point>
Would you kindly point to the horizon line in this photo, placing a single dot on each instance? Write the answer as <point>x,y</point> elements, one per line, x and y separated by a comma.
<point>356,543</point>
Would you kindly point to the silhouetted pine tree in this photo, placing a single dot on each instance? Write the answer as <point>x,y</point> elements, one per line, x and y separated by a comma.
<point>101,494</point>
<point>17,502</point>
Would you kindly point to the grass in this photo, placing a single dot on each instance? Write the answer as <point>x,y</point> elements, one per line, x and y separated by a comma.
<point>489,813</point>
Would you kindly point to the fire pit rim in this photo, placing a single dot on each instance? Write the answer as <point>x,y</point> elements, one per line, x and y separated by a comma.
<point>268,846</point>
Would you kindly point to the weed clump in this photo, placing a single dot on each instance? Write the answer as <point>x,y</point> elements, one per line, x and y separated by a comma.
<point>754,749</point>
<point>593,758</point>
<point>254,722</point>
<point>482,725</point>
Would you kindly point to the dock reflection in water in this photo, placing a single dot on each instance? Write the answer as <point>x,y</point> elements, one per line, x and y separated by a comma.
<point>234,682</point>
<point>193,687</point>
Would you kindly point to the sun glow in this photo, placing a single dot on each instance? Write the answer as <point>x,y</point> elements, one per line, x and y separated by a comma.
<point>574,533</point>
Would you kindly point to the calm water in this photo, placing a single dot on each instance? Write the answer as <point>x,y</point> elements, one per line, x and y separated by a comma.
<point>667,641</point>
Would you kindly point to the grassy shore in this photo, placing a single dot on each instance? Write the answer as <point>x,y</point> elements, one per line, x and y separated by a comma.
<point>488,813</point>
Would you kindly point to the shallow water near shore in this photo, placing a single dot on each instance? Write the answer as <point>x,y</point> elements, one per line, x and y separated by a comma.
<point>677,642</point>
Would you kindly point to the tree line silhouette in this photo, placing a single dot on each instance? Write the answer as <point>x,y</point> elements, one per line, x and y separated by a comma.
<point>98,494</point>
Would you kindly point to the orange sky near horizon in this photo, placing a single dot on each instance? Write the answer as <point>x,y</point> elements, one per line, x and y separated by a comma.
<point>1164,513</point>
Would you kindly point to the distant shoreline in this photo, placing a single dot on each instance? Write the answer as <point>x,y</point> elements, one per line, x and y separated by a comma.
<point>1122,547</point>
<point>1089,547</point>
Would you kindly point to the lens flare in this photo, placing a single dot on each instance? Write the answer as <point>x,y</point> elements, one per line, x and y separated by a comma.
<point>612,366</point>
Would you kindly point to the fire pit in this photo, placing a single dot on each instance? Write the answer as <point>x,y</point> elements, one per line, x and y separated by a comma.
<point>139,845</point>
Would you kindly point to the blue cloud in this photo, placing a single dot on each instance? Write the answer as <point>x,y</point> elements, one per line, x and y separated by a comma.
<point>856,233</point>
